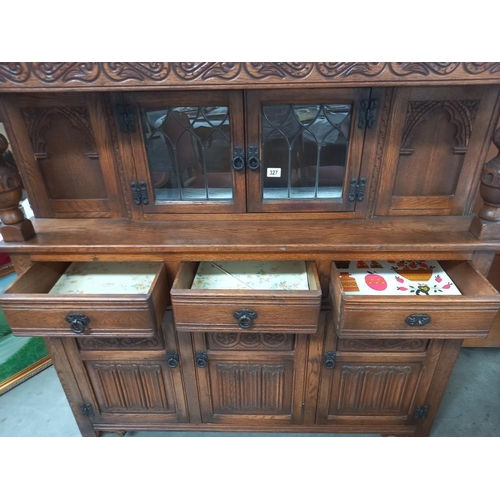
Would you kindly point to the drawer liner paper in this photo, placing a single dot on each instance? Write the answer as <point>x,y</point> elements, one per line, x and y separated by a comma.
<point>395,277</point>
<point>255,275</point>
<point>107,278</point>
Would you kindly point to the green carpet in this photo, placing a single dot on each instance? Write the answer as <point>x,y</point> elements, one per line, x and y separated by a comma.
<point>28,354</point>
<point>4,326</point>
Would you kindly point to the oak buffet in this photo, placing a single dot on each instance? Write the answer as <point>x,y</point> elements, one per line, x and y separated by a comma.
<point>179,163</point>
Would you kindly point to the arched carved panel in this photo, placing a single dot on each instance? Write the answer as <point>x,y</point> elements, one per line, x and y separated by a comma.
<point>64,146</point>
<point>462,114</point>
<point>436,137</point>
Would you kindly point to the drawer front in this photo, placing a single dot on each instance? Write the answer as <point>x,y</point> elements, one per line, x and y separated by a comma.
<point>80,320</point>
<point>264,316</point>
<point>32,311</point>
<point>460,316</point>
<point>445,320</point>
<point>256,311</point>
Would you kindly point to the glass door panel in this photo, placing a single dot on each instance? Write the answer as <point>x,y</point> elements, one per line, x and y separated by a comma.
<point>186,145</point>
<point>309,149</point>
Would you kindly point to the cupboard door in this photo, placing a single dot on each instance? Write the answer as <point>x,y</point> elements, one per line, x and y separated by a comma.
<point>250,378</point>
<point>304,149</point>
<point>137,387</point>
<point>64,146</point>
<point>187,149</point>
<point>375,387</point>
<point>437,138</point>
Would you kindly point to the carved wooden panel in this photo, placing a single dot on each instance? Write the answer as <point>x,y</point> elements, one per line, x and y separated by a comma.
<point>381,345</point>
<point>252,388</point>
<point>36,75</point>
<point>64,147</point>
<point>440,136</point>
<point>447,126</point>
<point>105,344</point>
<point>251,379</point>
<point>250,341</point>
<point>65,154</point>
<point>374,388</point>
<point>132,387</point>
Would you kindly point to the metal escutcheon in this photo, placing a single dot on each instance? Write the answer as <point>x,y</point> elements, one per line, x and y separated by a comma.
<point>201,359</point>
<point>78,322</point>
<point>238,158</point>
<point>172,359</point>
<point>329,360</point>
<point>253,158</point>
<point>418,320</point>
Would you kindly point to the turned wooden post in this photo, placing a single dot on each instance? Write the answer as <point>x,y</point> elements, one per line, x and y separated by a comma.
<point>486,224</point>
<point>16,227</point>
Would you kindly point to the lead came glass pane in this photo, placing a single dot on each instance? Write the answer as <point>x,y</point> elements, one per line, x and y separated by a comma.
<point>189,152</point>
<point>304,150</point>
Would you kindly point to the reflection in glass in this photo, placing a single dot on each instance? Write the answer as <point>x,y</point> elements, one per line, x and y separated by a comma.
<point>189,152</point>
<point>304,150</point>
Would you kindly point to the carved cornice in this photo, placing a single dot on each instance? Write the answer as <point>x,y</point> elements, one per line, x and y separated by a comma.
<point>27,76</point>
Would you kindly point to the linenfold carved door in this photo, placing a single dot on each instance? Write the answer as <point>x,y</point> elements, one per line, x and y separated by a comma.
<point>250,378</point>
<point>383,380</point>
<point>134,381</point>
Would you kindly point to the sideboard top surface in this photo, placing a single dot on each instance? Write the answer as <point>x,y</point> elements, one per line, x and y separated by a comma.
<point>286,237</point>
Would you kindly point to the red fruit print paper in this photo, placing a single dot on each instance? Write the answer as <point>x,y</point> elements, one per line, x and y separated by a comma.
<point>396,277</point>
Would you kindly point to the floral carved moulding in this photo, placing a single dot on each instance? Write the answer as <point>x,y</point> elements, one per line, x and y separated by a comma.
<point>35,75</point>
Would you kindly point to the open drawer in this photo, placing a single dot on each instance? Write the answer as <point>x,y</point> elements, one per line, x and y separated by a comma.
<point>439,316</point>
<point>246,309</point>
<point>105,299</point>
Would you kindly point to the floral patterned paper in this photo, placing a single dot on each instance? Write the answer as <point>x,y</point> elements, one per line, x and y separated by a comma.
<point>402,277</point>
<point>256,275</point>
<point>107,277</point>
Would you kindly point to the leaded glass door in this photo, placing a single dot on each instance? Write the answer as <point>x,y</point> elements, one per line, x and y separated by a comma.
<point>304,149</point>
<point>184,149</point>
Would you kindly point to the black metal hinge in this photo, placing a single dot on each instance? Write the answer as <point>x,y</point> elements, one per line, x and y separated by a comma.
<point>87,410</point>
<point>357,189</point>
<point>126,118</point>
<point>421,412</point>
<point>367,113</point>
<point>139,193</point>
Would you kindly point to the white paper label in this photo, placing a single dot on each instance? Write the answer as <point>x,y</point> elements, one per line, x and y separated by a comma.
<point>274,172</point>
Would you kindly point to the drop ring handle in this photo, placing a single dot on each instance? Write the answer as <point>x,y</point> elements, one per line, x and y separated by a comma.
<point>78,322</point>
<point>245,318</point>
